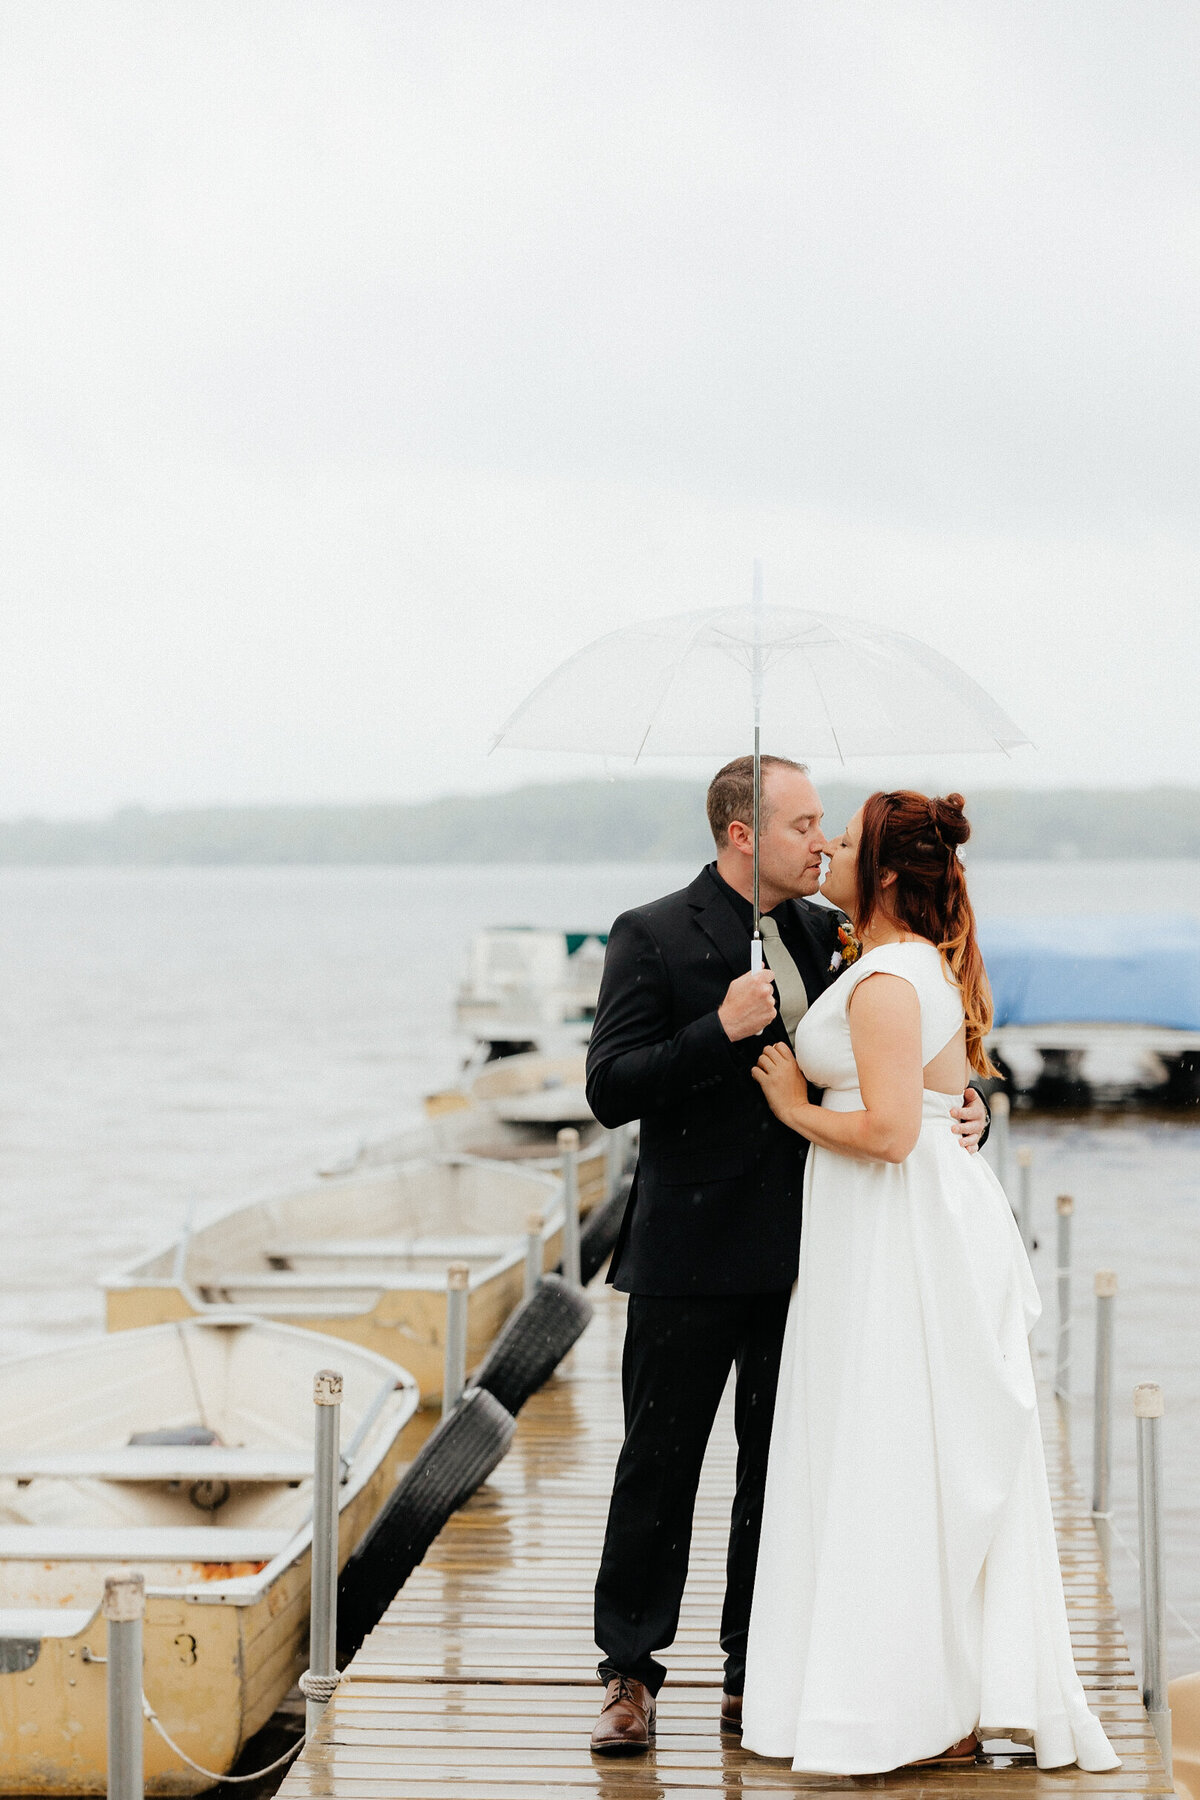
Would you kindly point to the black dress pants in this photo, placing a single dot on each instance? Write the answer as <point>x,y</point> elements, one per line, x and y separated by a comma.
<point>678,1354</point>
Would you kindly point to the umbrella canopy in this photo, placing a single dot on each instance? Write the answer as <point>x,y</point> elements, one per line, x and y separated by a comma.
<point>699,683</point>
<point>833,687</point>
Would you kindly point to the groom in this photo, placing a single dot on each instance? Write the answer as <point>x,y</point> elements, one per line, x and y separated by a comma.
<point>711,1241</point>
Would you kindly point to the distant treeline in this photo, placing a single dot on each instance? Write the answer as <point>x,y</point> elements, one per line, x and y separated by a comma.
<point>581,821</point>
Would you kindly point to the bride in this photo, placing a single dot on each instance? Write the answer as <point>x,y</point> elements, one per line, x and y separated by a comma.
<point>908,1601</point>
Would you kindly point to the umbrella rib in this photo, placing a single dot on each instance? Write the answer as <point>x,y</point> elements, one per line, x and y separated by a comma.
<point>668,685</point>
<point>840,636</point>
<point>543,684</point>
<point>828,715</point>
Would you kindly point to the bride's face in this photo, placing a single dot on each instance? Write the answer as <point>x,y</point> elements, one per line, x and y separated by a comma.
<point>841,879</point>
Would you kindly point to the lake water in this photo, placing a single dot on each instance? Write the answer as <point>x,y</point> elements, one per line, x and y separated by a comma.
<point>179,1037</point>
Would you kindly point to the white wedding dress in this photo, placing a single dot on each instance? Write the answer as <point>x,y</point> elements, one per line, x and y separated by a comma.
<point>908,1588</point>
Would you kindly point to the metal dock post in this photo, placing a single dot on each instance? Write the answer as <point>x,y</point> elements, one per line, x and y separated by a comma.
<point>1148,1411</point>
<point>1062,1360</point>
<point>1106,1297</point>
<point>321,1677</point>
<point>534,1251</point>
<point>1025,1195</point>
<point>454,1368</point>
<point>568,1149</point>
<point>123,1607</point>
<point>1001,1110</point>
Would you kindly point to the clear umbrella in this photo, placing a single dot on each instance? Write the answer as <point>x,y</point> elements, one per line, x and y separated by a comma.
<point>697,684</point>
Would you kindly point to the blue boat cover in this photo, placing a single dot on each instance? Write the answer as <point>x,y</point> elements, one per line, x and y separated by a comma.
<point>1135,969</point>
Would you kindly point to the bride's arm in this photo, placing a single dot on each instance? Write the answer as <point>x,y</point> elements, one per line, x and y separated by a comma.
<point>885,1034</point>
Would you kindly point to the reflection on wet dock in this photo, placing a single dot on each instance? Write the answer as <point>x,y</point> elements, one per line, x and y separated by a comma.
<point>479,1683</point>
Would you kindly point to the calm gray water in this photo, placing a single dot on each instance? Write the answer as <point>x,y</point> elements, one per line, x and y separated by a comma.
<point>184,1036</point>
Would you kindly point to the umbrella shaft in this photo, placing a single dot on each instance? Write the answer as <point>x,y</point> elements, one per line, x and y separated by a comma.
<point>757,816</point>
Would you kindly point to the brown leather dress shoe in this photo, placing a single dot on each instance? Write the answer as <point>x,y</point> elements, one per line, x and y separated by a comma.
<point>965,1751</point>
<point>626,1723</point>
<point>731,1713</point>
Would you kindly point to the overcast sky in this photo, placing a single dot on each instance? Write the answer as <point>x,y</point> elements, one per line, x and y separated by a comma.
<point>361,361</point>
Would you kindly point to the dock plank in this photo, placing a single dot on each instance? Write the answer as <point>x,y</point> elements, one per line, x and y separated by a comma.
<point>479,1682</point>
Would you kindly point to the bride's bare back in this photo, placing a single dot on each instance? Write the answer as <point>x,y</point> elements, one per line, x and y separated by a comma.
<point>948,1073</point>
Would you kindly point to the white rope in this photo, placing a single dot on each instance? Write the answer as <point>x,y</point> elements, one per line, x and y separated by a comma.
<point>318,1687</point>
<point>215,1774</point>
<point>1183,1623</point>
<point>1130,1552</point>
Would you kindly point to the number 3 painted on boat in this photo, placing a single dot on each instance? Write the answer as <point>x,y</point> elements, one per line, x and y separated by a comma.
<point>185,1643</point>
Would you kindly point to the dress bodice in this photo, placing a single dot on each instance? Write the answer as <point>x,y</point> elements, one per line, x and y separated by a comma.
<point>823,1047</point>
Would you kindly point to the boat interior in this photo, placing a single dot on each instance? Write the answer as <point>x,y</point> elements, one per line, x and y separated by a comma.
<point>340,1242</point>
<point>183,1449</point>
<point>528,1075</point>
<point>510,1110</point>
<point>521,1126</point>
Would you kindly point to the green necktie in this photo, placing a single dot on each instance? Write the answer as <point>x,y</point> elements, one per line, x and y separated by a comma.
<point>789,983</point>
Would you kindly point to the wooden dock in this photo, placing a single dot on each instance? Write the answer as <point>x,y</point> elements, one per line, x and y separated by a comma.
<point>480,1682</point>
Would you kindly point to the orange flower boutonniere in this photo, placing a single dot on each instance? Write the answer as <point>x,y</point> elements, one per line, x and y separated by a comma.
<point>848,951</point>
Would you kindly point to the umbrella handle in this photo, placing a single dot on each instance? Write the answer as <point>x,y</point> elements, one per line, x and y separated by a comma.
<point>756,954</point>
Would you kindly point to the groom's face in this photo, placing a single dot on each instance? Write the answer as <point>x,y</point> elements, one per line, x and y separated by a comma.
<point>791,840</point>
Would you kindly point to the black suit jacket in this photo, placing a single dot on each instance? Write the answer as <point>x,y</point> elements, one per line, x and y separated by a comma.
<point>715,1207</point>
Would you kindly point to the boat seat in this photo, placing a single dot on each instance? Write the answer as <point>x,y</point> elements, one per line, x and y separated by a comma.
<point>253,1294</point>
<point>176,1434</point>
<point>389,1249</point>
<point>238,1287</point>
<point>157,1463</point>
<point>141,1543</point>
<point>30,1624</point>
<point>541,1150</point>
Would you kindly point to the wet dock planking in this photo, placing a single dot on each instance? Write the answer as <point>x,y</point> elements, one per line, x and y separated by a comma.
<point>479,1683</point>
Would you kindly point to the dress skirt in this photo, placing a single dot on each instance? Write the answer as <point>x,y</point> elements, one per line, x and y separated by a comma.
<point>908,1588</point>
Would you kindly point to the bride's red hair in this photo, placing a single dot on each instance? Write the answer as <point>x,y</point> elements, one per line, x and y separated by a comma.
<point>918,838</point>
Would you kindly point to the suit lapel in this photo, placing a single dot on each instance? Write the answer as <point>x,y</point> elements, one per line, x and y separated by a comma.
<point>727,934</point>
<point>720,924</point>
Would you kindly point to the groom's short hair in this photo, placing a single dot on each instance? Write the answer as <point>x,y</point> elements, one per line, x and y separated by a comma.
<point>731,792</point>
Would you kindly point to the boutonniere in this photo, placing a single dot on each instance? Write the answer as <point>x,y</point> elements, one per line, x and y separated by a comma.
<point>848,951</point>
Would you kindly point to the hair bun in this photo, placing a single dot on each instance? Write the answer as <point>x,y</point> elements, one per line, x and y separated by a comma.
<point>950,820</point>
